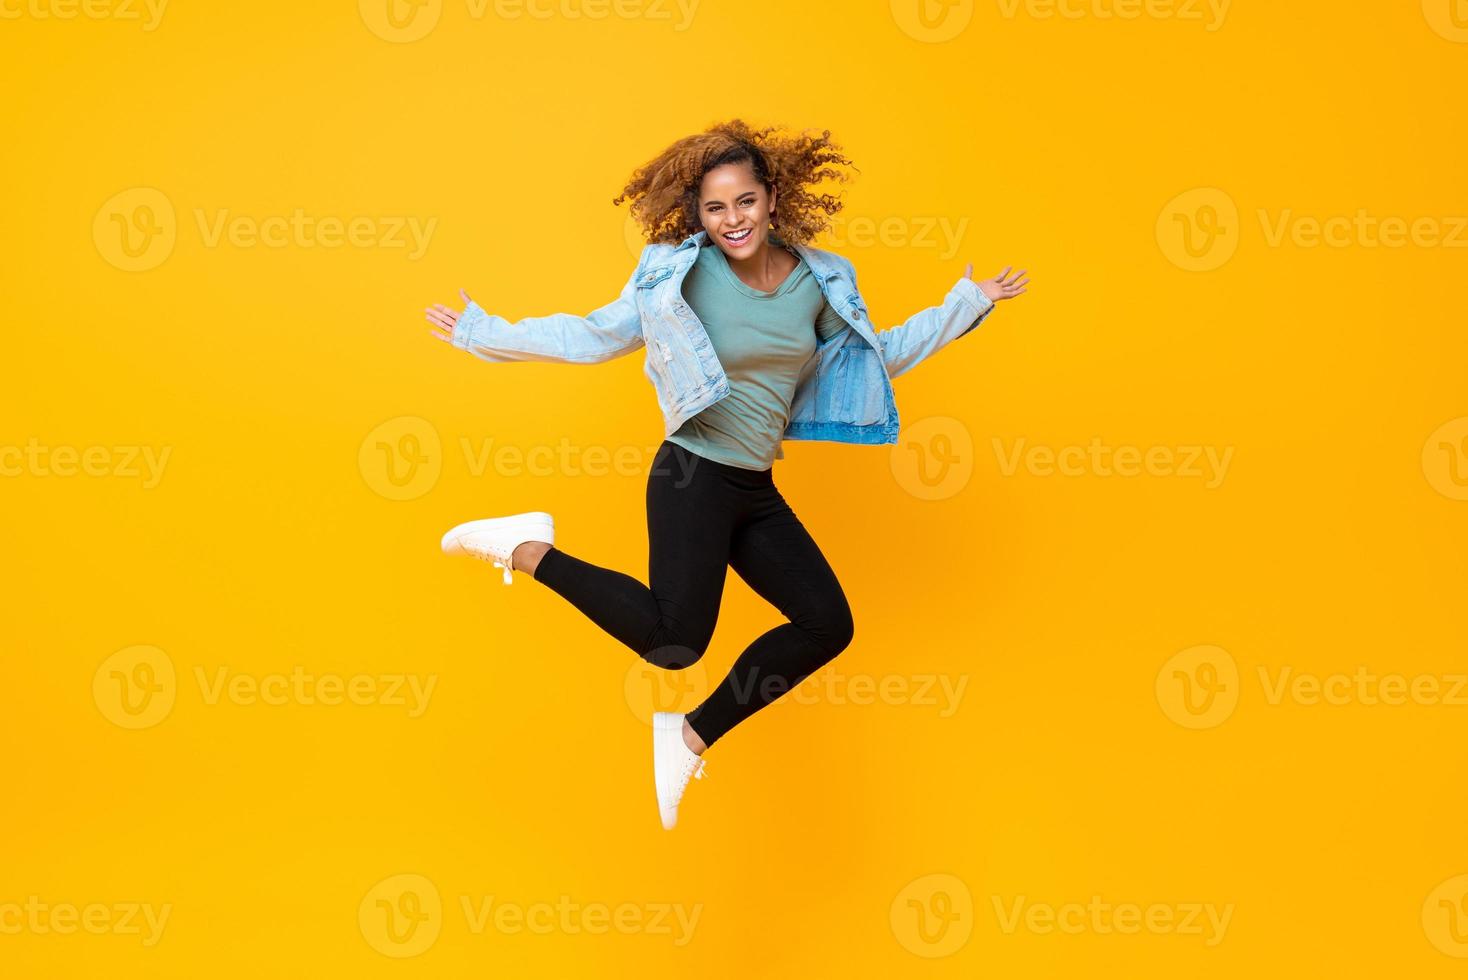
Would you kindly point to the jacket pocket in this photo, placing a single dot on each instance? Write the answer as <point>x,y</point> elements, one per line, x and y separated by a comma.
<point>651,277</point>
<point>851,388</point>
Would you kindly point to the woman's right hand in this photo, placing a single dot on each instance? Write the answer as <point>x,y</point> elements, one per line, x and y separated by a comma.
<point>444,318</point>
<point>997,288</point>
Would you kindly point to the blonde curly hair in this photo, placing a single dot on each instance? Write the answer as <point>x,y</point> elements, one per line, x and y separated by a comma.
<point>664,191</point>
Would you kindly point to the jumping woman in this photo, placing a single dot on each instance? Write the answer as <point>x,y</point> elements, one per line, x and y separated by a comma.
<point>752,337</point>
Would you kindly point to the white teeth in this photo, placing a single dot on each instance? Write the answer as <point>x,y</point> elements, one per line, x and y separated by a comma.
<point>738,236</point>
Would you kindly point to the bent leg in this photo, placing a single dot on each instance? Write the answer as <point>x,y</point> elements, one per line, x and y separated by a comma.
<point>782,563</point>
<point>670,621</point>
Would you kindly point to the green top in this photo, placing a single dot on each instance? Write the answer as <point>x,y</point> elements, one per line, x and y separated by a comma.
<point>763,340</point>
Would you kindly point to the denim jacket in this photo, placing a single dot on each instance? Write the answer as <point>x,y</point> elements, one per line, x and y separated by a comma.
<point>844,393</point>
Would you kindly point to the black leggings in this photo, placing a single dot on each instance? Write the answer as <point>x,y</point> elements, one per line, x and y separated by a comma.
<point>702,517</point>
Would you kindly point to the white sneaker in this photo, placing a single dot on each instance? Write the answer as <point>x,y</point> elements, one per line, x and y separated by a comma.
<point>673,764</point>
<point>496,538</point>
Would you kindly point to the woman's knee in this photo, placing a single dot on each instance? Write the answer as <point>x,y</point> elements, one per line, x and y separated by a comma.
<point>833,629</point>
<point>673,652</point>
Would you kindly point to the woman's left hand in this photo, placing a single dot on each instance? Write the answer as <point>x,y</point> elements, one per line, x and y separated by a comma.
<point>997,288</point>
<point>444,318</point>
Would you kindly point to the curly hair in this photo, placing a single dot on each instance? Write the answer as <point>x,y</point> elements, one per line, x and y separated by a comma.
<point>664,191</point>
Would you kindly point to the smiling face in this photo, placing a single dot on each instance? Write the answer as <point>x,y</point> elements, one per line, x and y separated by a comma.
<point>735,209</point>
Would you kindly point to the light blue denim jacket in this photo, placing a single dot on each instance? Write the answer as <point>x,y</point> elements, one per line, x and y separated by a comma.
<point>844,393</point>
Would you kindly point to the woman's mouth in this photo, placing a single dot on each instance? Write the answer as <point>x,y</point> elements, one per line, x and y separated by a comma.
<point>738,238</point>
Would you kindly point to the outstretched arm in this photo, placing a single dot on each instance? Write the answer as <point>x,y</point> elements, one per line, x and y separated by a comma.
<point>965,307</point>
<point>601,335</point>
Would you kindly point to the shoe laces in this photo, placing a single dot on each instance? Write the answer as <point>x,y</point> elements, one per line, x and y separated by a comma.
<point>498,561</point>
<point>693,768</point>
<point>506,565</point>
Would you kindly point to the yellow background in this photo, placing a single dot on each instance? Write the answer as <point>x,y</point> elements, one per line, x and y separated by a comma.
<point>1066,770</point>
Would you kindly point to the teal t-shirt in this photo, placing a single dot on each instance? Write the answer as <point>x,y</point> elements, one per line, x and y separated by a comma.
<point>763,340</point>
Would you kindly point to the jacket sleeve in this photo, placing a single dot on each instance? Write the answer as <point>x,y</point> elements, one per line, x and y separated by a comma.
<point>923,333</point>
<point>604,333</point>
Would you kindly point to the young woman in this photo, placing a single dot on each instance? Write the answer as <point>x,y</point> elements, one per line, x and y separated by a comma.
<point>752,337</point>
